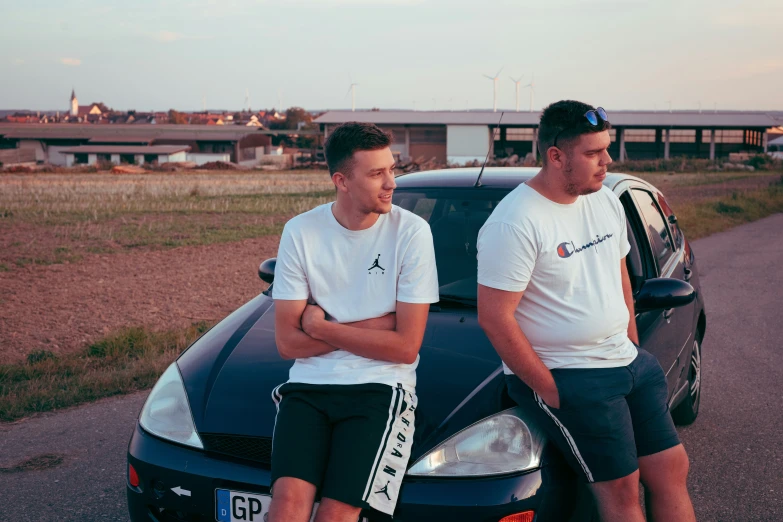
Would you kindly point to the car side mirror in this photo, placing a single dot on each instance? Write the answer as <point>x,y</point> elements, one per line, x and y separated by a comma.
<point>266,271</point>
<point>661,293</point>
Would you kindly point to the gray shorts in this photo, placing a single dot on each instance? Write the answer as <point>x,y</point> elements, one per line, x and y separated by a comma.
<point>608,417</point>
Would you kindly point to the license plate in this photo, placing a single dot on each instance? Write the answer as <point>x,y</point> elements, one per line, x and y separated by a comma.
<point>236,506</point>
<point>240,506</point>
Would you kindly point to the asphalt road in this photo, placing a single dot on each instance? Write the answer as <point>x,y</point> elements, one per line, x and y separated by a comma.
<point>734,446</point>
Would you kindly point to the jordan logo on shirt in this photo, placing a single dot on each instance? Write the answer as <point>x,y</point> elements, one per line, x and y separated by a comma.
<point>567,249</point>
<point>384,490</point>
<point>376,265</point>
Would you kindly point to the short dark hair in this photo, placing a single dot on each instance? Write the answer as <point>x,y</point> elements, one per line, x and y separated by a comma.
<point>351,137</point>
<point>566,117</point>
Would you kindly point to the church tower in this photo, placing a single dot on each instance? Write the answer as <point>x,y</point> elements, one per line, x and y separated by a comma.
<point>74,104</point>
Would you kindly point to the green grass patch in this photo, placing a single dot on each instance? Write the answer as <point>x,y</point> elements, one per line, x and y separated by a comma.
<point>129,360</point>
<point>170,233</point>
<point>707,217</point>
<point>670,182</point>
<point>59,256</point>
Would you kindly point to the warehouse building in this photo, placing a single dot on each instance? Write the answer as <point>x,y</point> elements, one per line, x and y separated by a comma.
<point>130,154</point>
<point>48,143</point>
<point>459,137</point>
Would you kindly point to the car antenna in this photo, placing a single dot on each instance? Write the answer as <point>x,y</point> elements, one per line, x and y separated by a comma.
<point>481,172</point>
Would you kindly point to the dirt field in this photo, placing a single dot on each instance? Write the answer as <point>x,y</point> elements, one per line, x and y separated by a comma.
<point>83,255</point>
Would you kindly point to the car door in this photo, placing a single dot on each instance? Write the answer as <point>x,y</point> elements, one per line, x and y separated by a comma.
<point>656,334</point>
<point>685,318</point>
<point>670,336</point>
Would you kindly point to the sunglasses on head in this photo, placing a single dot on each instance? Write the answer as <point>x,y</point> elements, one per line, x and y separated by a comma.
<point>592,116</point>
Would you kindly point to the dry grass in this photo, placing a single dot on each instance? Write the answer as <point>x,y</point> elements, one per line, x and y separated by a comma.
<point>56,218</point>
<point>51,218</point>
<point>56,199</point>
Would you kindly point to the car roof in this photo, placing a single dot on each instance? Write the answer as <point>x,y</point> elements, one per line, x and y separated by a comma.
<point>493,177</point>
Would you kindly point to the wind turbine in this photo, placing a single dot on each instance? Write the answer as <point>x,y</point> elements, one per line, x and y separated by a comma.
<point>516,83</point>
<point>532,86</point>
<point>352,90</point>
<point>494,89</point>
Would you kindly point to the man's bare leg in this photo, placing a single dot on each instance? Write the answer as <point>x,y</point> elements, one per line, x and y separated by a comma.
<point>618,500</point>
<point>292,500</point>
<point>331,510</point>
<point>664,476</point>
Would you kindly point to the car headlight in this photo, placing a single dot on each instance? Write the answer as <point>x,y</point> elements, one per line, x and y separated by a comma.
<point>502,443</point>
<point>167,411</point>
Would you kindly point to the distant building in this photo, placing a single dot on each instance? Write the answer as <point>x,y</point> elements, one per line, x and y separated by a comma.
<point>86,113</point>
<point>205,143</point>
<point>74,105</point>
<point>130,154</point>
<point>459,137</point>
<point>776,147</point>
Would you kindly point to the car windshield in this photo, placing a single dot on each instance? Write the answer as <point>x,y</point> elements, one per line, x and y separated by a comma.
<point>455,217</point>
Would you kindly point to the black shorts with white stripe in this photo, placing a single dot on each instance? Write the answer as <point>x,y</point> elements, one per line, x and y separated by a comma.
<point>608,417</point>
<point>352,442</point>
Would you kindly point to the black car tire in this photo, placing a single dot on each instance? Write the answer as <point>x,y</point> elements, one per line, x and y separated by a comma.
<point>687,411</point>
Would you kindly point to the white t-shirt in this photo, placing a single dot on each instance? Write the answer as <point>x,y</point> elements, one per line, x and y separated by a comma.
<point>355,275</point>
<point>566,259</point>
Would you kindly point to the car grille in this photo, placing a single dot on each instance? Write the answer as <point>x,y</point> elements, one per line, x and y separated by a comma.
<point>256,449</point>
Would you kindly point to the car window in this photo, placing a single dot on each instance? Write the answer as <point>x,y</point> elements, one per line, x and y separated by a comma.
<point>671,220</point>
<point>455,217</point>
<point>658,231</point>
<point>639,259</point>
<point>423,207</point>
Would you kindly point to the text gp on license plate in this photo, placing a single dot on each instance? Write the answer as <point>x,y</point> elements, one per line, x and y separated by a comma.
<point>236,506</point>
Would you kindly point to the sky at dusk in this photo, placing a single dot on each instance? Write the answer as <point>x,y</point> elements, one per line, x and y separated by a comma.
<point>409,54</point>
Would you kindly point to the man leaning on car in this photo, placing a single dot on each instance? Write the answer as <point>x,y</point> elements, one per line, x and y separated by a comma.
<point>345,422</point>
<point>555,300</point>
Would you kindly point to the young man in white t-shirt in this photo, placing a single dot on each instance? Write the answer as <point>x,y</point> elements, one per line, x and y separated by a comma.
<point>555,299</point>
<point>353,283</point>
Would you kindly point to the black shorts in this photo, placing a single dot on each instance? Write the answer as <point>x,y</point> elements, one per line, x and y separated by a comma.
<point>608,417</point>
<point>352,442</point>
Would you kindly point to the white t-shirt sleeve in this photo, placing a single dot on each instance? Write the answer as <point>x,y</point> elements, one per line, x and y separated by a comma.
<point>506,257</point>
<point>290,277</point>
<point>418,281</point>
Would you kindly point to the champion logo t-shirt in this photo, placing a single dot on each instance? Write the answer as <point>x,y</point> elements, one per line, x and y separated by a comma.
<point>566,259</point>
<point>355,275</point>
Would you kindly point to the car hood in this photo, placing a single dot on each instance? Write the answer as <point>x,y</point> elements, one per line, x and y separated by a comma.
<point>229,374</point>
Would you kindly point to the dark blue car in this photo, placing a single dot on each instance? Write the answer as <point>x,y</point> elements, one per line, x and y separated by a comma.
<point>202,447</point>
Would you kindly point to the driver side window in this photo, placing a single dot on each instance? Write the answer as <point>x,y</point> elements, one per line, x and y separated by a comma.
<point>658,231</point>
<point>639,260</point>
